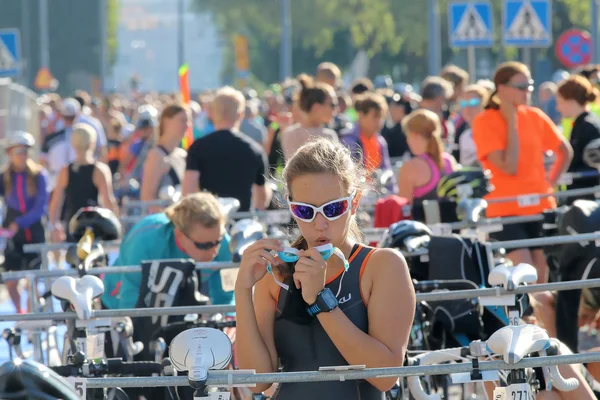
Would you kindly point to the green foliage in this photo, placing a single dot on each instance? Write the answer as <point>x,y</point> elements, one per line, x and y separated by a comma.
<point>393,32</point>
<point>112,14</point>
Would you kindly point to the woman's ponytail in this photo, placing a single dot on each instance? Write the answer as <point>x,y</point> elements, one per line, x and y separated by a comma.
<point>493,102</point>
<point>435,150</point>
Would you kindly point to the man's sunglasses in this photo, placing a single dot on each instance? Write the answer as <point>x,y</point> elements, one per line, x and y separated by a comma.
<point>523,86</point>
<point>469,103</point>
<point>206,245</point>
<point>331,210</point>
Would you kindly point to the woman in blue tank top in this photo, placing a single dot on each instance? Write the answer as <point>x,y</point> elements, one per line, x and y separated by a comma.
<point>353,309</point>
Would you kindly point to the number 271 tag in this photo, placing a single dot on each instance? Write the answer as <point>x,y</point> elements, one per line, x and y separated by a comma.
<point>80,386</point>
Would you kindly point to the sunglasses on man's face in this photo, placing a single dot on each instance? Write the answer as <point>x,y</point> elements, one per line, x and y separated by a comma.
<point>469,103</point>
<point>19,151</point>
<point>331,210</point>
<point>206,245</point>
<point>522,86</point>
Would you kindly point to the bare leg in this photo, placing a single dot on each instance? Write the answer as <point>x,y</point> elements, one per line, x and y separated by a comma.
<point>15,296</point>
<point>520,256</point>
<point>540,264</point>
<point>543,309</point>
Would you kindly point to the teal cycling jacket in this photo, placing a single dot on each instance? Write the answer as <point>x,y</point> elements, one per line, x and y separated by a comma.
<point>153,238</point>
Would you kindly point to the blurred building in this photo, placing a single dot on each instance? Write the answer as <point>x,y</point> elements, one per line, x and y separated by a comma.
<point>147,44</point>
<point>148,47</point>
<point>75,44</point>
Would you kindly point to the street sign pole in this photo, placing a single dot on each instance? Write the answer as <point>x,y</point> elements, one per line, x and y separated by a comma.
<point>435,59</point>
<point>471,59</point>
<point>594,8</point>
<point>527,57</point>
<point>470,26</point>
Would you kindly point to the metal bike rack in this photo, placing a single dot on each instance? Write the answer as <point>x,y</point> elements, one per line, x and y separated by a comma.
<point>183,310</point>
<point>229,378</point>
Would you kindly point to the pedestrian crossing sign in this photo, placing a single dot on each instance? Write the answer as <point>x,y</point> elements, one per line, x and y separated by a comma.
<point>10,53</point>
<point>471,24</point>
<point>527,23</point>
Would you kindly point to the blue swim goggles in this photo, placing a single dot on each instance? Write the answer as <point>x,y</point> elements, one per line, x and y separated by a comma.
<point>289,254</point>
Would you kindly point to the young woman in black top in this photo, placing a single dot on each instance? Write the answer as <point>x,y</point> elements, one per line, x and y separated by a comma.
<point>573,100</point>
<point>367,312</point>
<point>165,162</point>
<point>81,183</point>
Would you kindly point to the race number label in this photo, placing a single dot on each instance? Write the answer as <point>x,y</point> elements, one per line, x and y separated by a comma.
<point>228,278</point>
<point>220,396</point>
<point>441,229</point>
<point>565,179</point>
<point>529,200</point>
<point>79,384</point>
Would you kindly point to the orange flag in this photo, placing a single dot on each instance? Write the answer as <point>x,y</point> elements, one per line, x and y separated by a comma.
<point>184,88</point>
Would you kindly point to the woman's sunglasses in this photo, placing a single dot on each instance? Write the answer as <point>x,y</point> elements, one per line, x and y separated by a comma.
<point>523,86</point>
<point>331,210</point>
<point>290,254</point>
<point>469,103</point>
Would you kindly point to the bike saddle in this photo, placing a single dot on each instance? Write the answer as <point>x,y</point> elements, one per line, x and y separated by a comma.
<point>229,204</point>
<point>512,277</point>
<point>199,349</point>
<point>25,379</point>
<point>79,292</point>
<point>515,342</point>
<point>471,209</point>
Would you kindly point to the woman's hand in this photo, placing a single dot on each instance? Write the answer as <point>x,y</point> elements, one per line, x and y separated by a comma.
<point>57,234</point>
<point>310,274</point>
<point>13,227</point>
<point>509,112</point>
<point>254,262</point>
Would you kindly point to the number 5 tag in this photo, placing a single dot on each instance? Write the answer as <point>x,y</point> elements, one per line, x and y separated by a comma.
<point>80,386</point>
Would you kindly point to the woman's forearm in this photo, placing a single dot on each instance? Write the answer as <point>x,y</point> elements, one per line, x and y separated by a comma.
<point>357,347</point>
<point>251,350</point>
<point>511,155</point>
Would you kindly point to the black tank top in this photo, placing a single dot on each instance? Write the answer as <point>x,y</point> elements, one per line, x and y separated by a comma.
<point>308,347</point>
<point>80,191</point>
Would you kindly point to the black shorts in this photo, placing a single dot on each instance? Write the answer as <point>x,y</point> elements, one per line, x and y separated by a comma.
<point>520,231</point>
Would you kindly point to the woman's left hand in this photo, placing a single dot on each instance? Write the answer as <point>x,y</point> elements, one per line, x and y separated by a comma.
<point>310,274</point>
<point>13,227</point>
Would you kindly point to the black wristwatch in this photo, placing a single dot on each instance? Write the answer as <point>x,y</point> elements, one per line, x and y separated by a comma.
<point>326,302</point>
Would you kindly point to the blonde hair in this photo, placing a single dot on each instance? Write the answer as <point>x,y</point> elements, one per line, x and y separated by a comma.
<point>324,156</point>
<point>83,137</point>
<point>427,124</point>
<point>479,90</point>
<point>227,104</point>
<point>199,208</point>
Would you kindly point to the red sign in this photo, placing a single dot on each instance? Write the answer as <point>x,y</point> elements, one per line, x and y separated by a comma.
<point>574,48</point>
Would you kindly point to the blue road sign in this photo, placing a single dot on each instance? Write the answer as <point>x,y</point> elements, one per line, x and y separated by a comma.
<point>527,23</point>
<point>10,53</point>
<point>471,24</point>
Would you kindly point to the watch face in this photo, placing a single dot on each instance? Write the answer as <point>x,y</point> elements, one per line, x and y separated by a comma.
<point>329,299</point>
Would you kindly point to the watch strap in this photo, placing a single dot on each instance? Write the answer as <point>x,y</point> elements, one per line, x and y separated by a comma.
<point>315,309</point>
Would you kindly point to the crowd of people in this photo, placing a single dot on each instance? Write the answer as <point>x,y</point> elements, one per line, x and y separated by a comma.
<point>325,144</point>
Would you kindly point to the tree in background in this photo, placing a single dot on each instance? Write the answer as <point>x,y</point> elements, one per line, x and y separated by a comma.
<point>393,32</point>
<point>112,27</point>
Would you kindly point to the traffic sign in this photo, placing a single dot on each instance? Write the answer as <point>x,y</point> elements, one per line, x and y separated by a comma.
<point>471,24</point>
<point>527,23</point>
<point>574,48</point>
<point>10,52</point>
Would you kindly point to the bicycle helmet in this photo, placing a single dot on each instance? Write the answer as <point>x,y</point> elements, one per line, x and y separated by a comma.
<point>591,154</point>
<point>104,223</point>
<point>394,237</point>
<point>467,182</point>
<point>25,379</point>
<point>18,138</point>
<point>243,234</point>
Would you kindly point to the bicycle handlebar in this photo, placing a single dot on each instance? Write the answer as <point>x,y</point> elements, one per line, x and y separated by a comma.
<point>453,284</point>
<point>112,366</point>
<point>180,326</point>
<point>433,357</point>
<point>558,381</point>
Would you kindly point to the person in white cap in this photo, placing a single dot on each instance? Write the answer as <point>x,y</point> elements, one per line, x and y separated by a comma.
<point>56,148</point>
<point>23,190</point>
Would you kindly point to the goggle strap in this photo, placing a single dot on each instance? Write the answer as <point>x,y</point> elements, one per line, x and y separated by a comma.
<point>341,256</point>
<point>277,281</point>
